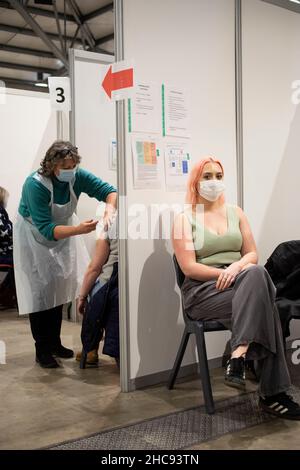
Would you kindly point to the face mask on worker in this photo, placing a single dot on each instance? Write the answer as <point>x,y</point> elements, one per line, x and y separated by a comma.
<point>211,189</point>
<point>66,175</point>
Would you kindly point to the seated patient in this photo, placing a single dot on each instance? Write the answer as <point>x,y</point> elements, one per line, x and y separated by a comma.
<point>217,254</point>
<point>8,297</point>
<point>100,289</point>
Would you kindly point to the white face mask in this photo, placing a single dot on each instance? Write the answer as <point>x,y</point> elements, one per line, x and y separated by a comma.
<point>211,189</point>
<point>66,175</point>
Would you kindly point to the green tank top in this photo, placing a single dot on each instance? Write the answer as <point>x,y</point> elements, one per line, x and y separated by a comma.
<point>218,250</point>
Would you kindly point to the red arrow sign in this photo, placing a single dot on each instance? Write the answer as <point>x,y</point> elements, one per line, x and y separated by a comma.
<point>117,80</point>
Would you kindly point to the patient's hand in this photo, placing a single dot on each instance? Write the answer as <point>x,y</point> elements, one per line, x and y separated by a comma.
<point>81,304</point>
<point>227,276</point>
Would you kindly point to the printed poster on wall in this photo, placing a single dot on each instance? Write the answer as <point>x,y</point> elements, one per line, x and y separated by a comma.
<point>176,112</point>
<point>147,164</point>
<point>144,109</point>
<point>177,165</point>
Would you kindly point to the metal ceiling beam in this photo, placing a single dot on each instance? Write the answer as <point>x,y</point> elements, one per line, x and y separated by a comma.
<point>61,39</point>
<point>16,80</point>
<point>28,32</point>
<point>74,38</point>
<point>38,30</point>
<point>62,72</point>
<point>40,53</point>
<point>70,18</point>
<point>100,41</point>
<point>39,11</point>
<point>104,39</point>
<point>84,29</point>
<point>23,84</point>
<point>28,68</point>
<point>98,12</point>
<point>26,51</point>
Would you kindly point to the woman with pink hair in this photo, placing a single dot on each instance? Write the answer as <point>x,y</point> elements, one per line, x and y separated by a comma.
<point>216,251</point>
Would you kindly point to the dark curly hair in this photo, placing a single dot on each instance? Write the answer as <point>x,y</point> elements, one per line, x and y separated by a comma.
<point>59,150</point>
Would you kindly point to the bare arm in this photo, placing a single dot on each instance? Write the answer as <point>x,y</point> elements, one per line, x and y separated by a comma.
<point>248,253</point>
<point>185,252</point>
<point>248,250</point>
<point>110,209</point>
<point>111,200</point>
<point>95,267</point>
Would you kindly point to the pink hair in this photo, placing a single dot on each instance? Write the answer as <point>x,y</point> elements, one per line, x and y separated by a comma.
<point>192,193</point>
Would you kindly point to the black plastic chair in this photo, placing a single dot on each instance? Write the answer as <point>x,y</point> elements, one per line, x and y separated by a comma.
<point>4,268</point>
<point>9,283</point>
<point>198,328</point>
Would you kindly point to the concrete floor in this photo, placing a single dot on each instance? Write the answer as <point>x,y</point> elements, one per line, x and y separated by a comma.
<point>41,407</point>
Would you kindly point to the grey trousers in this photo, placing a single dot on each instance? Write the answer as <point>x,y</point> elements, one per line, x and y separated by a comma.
<point>248,309</point>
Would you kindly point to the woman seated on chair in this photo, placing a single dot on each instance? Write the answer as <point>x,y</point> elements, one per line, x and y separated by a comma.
<point>216,251</point>
<point>8,297</point>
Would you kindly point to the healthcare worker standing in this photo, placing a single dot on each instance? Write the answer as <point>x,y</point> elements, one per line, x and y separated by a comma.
<point>50,256</point>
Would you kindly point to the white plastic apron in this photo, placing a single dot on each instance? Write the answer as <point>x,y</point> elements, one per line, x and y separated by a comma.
<point>48,273</point>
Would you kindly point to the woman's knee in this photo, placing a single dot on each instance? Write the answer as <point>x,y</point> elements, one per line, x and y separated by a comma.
<point>260,277</point>
<point>257,270</point>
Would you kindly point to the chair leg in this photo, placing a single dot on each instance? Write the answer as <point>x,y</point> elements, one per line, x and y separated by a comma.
<point>83,359</point>
<point>204,371</point>
<point>178,360</point>
<point>284,342</point>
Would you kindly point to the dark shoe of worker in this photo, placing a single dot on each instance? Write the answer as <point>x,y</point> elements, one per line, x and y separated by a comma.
<point>281,405</point>
<point>235,375</point>
<point>92,358</point>
<point>46,360</point>
<point>64,353</point>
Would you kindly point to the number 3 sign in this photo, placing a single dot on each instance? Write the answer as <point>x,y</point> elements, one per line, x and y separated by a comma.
<point>59,88</point>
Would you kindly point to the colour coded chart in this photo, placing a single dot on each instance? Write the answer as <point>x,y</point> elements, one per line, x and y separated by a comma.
<point>146,152</point>
<point>146,165</point>
<point>177,165</point>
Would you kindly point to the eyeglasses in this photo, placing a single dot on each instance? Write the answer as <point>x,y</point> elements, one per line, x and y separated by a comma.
<point>63,153</point>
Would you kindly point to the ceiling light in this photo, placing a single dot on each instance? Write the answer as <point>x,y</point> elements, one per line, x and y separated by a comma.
<point>295,1</point>
<point>41,85</point>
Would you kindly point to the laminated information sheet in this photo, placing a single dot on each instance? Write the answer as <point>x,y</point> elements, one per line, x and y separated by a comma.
<point>147,165</point>
<point>177,165</point>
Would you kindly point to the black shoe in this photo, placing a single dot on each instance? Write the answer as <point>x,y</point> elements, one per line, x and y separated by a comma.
<point>46,360</point>
<point>61,351</point>
<point>281,405</point>
<point>235,375</point>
